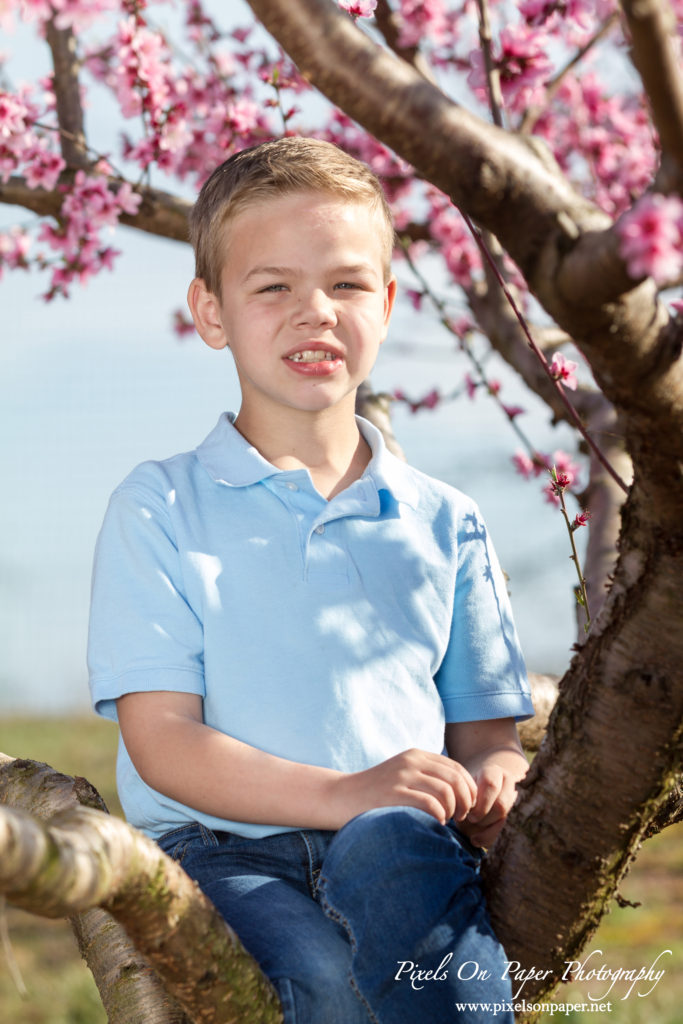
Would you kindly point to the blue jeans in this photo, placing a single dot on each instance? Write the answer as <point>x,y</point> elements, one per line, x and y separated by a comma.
<point>347,924</point>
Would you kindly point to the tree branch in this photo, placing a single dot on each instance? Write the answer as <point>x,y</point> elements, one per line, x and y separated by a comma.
<point>656,55</point>
<point>130,990</point>
<point>84,858</point>
<point>160,213</point>
<point>62,43</point>
<point>388,24</point>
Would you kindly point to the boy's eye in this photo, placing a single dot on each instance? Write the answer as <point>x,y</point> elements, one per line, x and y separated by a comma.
<point>347,284</point>
<point>274,288</point>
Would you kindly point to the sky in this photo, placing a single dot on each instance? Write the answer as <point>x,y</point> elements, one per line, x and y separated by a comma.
<point>92,386</point>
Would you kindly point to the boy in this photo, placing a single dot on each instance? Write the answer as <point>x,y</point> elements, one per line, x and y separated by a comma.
<point>290,625</point>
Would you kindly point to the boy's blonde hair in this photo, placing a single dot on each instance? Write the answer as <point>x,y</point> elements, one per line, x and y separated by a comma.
<point>273,169</point>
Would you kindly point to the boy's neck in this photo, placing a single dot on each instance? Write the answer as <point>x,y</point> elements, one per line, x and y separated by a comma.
<point>328,444</point>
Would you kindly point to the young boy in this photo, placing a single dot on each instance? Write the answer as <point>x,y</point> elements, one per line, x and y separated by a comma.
<point>307,644</point>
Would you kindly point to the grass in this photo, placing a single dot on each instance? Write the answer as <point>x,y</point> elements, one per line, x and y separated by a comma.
<point>60,989</point>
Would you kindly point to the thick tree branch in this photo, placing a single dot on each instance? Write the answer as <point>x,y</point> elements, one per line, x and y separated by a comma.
<point>130,990</point>
<point>160,213</point>
<point>84,858</point>
<point>62,43</point>
<point>388,24</point>
<point>655,50</point>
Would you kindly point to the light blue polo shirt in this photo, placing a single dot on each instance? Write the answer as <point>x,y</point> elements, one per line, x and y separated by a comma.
<point>331,633</point>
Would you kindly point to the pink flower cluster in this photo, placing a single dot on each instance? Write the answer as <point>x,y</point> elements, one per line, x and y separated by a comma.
<point>602,139</point>
<point>564,370</point>
<point>651,237</point>
<point>359,8</point>
<point>458,249</point>
<point>14,248</point>
<point>428,401</point>
<point>89,206</point>
<point>534,465</point>
<point>22,148</point>
<point>421,20</point>
<point>521,57</point>
<point>75,14</point>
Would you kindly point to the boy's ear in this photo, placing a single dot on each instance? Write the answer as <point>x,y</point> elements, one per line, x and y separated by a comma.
<point>389,299</point>
<point>206,313</point>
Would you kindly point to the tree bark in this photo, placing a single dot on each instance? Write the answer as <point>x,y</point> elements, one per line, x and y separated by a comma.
<point>83,858</point>
<point>129,988</point>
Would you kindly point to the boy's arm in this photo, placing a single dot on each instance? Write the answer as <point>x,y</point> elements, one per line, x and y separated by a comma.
<point>492,753</point>
<point>178,755</point>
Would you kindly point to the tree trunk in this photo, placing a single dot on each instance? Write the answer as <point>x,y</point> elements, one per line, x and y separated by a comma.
<point>614,746</point>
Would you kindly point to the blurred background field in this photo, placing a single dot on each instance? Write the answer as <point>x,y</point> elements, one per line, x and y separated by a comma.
<point>61,991</point>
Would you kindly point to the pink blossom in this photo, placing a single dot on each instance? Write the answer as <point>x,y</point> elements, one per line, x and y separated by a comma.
<point>416,298</point>
<point>13,115</point>
<point>581,519</point>
<point>243,116</point>
<point>80,14</point>
<point>43,167</point>
<point>564,370</point>
<point>35,10</point>
<point>539,12</point>
<point>420,20</point>
<point>522,63</point>
<point>14,248</point>
<point>428,401</point>
<point>530,466</point>
<point>566,472</point>
<point>182,325</point>
<point>359,8</point>
<point>651,236</point>
<point>566,466</point>
<point>470,386</point>
<point>457,246</point>
<point>523,464</point>
<point>512,411</point>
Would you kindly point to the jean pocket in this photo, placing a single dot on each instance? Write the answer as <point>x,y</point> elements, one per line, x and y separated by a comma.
<point>176,842</point>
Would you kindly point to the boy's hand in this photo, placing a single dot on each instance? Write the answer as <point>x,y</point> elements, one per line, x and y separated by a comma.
<point>493,754</point>
<point>414,778</point>
<point>496,793</point>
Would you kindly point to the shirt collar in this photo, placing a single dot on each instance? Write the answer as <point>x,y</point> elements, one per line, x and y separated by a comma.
<point>229,459</point>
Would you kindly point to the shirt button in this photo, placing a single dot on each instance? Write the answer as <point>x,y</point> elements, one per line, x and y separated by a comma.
<point>320,529</point>
<point>291,487</point>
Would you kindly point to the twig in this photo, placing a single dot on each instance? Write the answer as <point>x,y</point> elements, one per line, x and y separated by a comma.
<point>657,57</point>
<point>492,72</point>
<point>386,22</point>
<point>574,417</point>
<point>537,457</point>
<point>559,483</point>
<point>62,43</point>
<point>532,115</point>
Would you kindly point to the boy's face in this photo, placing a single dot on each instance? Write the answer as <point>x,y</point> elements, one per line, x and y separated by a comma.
<point>304,305</point>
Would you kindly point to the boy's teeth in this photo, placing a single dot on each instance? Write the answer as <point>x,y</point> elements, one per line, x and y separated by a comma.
<point>310,355</point>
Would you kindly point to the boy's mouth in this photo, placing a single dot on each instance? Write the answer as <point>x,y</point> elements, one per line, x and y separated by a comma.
<point>311,355</point>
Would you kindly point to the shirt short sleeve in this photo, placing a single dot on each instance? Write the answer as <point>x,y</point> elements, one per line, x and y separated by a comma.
<point>482,675</point>
<point>143,633</point>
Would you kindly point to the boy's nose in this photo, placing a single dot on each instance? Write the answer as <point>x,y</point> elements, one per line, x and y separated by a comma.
<point>316,309</point>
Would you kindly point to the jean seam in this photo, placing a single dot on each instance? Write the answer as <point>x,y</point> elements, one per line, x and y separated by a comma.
<point>313,873</point>
<point>208,837</point>
<point>334,915</point>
